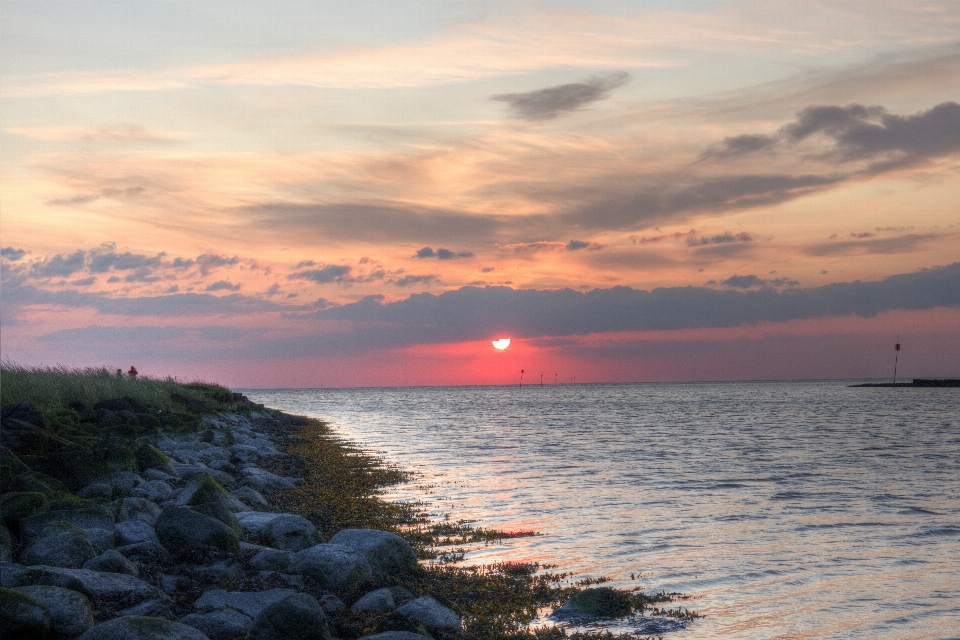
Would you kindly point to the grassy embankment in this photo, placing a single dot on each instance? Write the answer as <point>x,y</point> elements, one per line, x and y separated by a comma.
<point>342,488</point>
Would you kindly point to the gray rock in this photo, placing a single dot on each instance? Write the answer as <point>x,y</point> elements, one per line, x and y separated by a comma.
<point>219,571</point>
<point>123,482</point>
<point>379,601</point>
<point>332,604</point>
<point>271,560</point>
<point>173,584</point>
<point>397,635</point>
<point>163,476</point>
<point>70,612</point>
<point>187,471</point>
<point>298,617</point>
<point>105,590</point>
<point>250,497</point>
<point>134,531</point>
<point>112,561</point>
<point>221,513</point>
<point>89,517</point>
<point>222,465</point>
<point>157,608</point>
<point>59,544</point>
<point>144,551</point>
<point>6,544</point>
<point>431,614</point>
<point>253,522</point>
<point>153,490</point>
<point>203,488</point>
<point>384,551</point>
<point>142,628</point>
<point>101,539</point>
<point>290,533</point>
<point>333,566</point>
<point>137,509</point>
<point>249,603</point>
<point>182,531</point>
<point>221,625</point>
<point>96,490</point>
<point>262,480</point>
<point>23,616</point>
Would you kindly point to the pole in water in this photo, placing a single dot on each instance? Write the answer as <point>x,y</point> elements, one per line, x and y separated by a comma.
<point>895,359</point>
<point>521,378</point>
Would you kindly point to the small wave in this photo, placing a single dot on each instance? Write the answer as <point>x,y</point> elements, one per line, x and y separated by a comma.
<point>911,510</point>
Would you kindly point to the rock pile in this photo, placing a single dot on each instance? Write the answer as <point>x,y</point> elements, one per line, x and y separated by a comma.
<point>172,537</point>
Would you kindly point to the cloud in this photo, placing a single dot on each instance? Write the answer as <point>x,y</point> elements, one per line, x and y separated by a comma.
<point>222,285</point>
<point>407,281</point>
<point>325,275</point>
<point>11,254</point>
<point>442,254</point>
<point>752,282</point>
<point>899,244</point>
<point>122,133</point>
<point>860,132</point>
<point>472,313</point>
<point>724,238</point>
<point>84,282</point>
<point>105,259</point>
<point>210,261</point>
<point>59,266</point>
<point>549,103</point>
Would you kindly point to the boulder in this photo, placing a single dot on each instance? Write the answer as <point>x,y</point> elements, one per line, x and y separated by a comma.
<point>595,602</point>
<point>386,552</point>
<point>379,601</point>
<point>221,513</point>
<point>96,490</point>
<point>253,522</point>
<point>156,474</point>
<point>22,616</point>
<point>203,488</point>
<point>156,607</point>
<point>430,613</point>
<point>87,516</point>
<point>146,551</point>
<point>59,544</point>
<point>142,628</point>
<point>183,531</point>
<point>290,533</point>
<point>105,590</point>
<point>6,543</point>
<point>101,539</point>
<point>153,490</point>
<point>250,497</point>
<point>187,471</point>
<point>249,603</point>
<point>112,561</point>
<point>397,635</point>
<point>220,625</point>
<point>298,617</point>
<point>123,482</point>
<point>332,604</point>
<point>149,457</point>
<point>70,612</point>
<point>136,509</point>
<point>262,480</point>
<point>333,566</point>
<point>271,560</point>
<point>17,505</point>
<point>134,531</point>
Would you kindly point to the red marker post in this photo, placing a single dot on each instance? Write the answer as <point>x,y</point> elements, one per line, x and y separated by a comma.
<point>895,359</point>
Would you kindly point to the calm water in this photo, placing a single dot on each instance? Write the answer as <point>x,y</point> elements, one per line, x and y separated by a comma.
<point>788,510</point>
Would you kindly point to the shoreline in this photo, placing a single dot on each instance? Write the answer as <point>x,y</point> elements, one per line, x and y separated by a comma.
<point>219,517</point>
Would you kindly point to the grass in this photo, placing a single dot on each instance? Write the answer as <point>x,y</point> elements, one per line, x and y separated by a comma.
<point>52,389</point>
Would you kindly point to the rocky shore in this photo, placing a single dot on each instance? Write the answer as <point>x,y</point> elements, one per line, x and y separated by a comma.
<point>173,537</point>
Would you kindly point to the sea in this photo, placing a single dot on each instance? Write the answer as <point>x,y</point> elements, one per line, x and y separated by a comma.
<point>807,509</point>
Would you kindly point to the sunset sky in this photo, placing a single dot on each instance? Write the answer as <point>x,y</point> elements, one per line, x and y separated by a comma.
<point>278,194</point>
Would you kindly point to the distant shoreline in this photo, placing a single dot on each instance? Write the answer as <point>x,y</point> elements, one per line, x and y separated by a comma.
<point>917,382</point>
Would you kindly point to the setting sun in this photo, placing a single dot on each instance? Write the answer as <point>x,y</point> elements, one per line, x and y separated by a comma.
<point>501,344</point>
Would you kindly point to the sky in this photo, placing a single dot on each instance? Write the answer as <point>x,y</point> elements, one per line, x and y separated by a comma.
<point>329,194</point>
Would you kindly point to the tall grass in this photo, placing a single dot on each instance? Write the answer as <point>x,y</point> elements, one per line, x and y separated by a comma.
<point>50,389</point>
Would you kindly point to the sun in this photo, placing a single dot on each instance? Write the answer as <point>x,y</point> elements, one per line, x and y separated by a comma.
<point>501,344</point>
